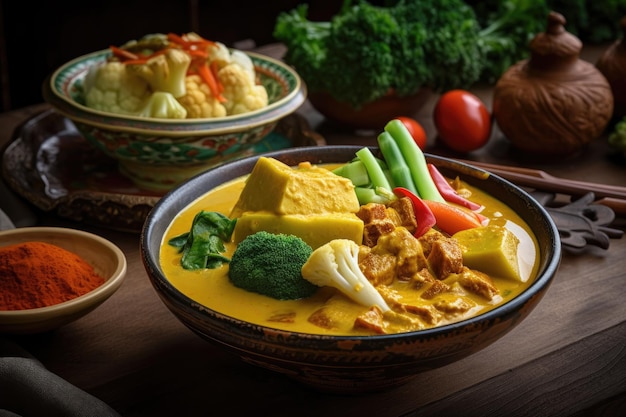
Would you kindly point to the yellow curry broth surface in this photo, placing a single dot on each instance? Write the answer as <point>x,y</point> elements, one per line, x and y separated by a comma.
<point>211,287</point>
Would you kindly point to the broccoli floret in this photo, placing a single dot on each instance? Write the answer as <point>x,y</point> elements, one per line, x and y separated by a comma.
<point>270,264</point>
<point>443,45</point>
<point>366,51</point>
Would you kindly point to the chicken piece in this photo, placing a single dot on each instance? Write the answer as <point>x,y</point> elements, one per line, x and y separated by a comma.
<point>454,307</point>
<point>283,316</point>
<point>407,250</point>
<point>445,258</point>
<point>379,268</point>
<point>406,214</point>
<point>339,312</point>
<point>428,238</point>
<point>421,278</point>
<point>478,283</point>
<point>373,231</point>
<point>376,222</point>
<point>389,322</point>
<point>434,289</point>
<point>372,212</point>
<point>409,301</point>
<point>372,319</point>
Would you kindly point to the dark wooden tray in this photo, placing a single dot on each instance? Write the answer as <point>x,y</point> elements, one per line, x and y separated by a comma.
<point>51,165</point>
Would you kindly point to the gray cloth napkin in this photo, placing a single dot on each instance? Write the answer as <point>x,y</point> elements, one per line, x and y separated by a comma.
<point>5,222</point>
<point>27,389</point>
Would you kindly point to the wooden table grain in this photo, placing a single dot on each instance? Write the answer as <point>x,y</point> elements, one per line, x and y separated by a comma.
<point>568,358</point>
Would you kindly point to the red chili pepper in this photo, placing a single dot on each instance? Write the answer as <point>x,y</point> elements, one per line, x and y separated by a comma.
<point>423,214</point>
<point>447,191</point>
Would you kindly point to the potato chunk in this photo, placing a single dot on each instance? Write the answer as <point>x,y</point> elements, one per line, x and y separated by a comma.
<point>491,250</point>
<point>314,229</point>
<point>277,188</point>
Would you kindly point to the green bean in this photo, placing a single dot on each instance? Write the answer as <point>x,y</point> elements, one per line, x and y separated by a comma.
<point>355,171</point>
<point>415,159</point>
<point>374,170</point>
<point>398,168</point>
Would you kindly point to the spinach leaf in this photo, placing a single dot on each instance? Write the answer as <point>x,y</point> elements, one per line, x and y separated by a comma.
<point>203,244</point>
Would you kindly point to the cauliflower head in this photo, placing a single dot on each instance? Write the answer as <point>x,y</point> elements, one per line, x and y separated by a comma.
<point>241,92</point>
<point>165,72</point>
<point>199,101</point>
<point>109,87</point>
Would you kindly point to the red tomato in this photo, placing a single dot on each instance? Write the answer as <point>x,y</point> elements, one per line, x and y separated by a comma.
<point>462,120</point>
<point>416,130</point>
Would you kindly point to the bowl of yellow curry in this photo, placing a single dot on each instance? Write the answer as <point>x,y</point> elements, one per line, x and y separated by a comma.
<point>169,106</point>
<point>310,268</point>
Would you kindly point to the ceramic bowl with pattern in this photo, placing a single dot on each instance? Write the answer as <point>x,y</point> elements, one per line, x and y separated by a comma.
<point>349,364</point>
<point>106,258</point>
<point>160,153</point>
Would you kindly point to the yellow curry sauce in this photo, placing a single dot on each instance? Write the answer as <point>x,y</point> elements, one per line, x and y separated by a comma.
<point>211,287</point>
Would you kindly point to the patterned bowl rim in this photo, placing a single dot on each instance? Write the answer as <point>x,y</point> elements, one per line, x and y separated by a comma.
<point>57,86</point>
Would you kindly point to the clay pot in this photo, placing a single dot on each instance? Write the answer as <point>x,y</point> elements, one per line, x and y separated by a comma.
<point>612,64</point>
<point>373,115</point>
<point>552,103</point>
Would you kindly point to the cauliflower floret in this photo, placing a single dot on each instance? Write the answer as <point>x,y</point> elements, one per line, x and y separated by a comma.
<point>218,52</point>
<point>109,87</point>
<point>244,61</point>
<point>164,105</point>
<point>199,101</point>
<point>241,92</point>
<point>165,72</point>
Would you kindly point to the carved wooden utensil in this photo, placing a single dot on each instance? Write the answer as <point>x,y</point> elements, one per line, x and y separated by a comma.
<point>581,222</point>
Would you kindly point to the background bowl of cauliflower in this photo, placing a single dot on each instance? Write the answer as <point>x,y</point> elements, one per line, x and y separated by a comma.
<point>168,107</point>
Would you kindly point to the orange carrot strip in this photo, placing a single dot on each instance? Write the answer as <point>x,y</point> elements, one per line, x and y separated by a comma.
<point>138,61</point>
<point>207,76</point>
<point>215,70</point>
<point>188,44</point>
<point>452,219</point>
<point>122,53</point>
<point>197,53</point>
<point>172,37</point>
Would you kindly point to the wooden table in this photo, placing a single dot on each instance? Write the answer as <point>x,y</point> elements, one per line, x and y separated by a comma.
<point>567,358</point>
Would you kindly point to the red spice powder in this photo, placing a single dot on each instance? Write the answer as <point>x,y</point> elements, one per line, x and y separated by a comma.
<point>39,274</point>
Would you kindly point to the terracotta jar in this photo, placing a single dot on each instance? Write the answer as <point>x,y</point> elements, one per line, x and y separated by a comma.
<point>552,103</point>
<point>612,64</point>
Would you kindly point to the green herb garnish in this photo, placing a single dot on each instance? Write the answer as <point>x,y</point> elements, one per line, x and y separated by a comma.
<point>203,244</point>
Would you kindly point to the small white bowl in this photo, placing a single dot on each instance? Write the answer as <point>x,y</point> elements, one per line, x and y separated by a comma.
<point>107,259</point>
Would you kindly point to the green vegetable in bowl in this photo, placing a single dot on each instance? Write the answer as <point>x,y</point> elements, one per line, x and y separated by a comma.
<point>506,29</point>
<point>617,138</point>
<point>270,264</point>
<point>366,51</point>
